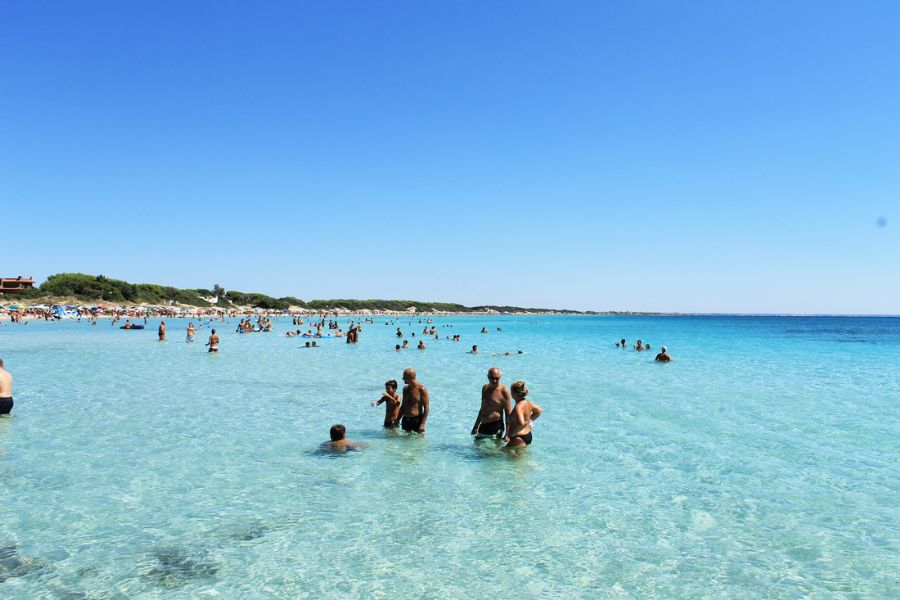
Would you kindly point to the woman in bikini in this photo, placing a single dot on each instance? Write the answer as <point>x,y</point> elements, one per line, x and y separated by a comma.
<point>523,413</point>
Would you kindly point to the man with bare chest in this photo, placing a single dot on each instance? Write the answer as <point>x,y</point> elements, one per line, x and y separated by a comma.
<point>414,408</point>
<point>495,408</point>
<point>6,387</point>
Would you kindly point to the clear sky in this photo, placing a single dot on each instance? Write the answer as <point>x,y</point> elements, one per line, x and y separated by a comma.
<point>676,156</point>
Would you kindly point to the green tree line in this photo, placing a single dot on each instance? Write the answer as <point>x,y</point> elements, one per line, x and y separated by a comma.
<point>98,289</point>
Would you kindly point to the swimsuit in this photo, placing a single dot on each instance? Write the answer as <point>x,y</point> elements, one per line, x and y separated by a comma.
<point>525,438</point>
<point>391,423</point>
<point>491,428</point>
<point>6,405</point>
<point>411,423</point>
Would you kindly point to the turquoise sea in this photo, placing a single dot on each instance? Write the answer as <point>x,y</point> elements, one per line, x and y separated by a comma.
<point>761,463</point>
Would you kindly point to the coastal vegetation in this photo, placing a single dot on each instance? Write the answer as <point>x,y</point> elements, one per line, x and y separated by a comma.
<point>98,289</point>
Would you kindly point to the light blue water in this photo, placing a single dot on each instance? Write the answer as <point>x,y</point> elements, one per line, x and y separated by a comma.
<point>763,462</point>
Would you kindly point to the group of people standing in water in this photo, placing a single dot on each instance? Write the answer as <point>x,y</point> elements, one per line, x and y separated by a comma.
<point>640,346</point>
<point>498,417</point>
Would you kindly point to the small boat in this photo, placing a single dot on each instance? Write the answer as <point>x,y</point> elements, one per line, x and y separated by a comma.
<point>132,327</point>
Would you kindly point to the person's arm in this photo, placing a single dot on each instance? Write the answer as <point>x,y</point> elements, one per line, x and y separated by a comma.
<point>507,411</point>
<point>423,408</point>
<point>478,416</point>
<point>477,423</point>
<point>384,397</point>
<point>507,407</point>
<point>535,411</point>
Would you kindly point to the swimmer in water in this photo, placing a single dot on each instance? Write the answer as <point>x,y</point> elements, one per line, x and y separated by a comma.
<point>474,350</point>
<point>6,390</point>
<point>415,404</point>
<point>339,442</point>
<point>495,408</point>
<point>392,408</point>
<point>421,345</point>
<point>190,332</point>
<point>663,356</point>
<point>213,342</point>
<point>162,331</point>
<point>523,414</point>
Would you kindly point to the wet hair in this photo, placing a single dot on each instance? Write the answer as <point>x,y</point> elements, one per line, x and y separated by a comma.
<point>1,363</point>
<point>213,330</point>
<point>519,388</point>
<point>338,432</point>
<point>392,383</point>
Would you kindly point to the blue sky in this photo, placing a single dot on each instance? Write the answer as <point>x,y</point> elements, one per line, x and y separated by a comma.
<point>697,156</point>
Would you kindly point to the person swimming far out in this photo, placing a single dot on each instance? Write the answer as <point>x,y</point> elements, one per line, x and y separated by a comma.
<point>663,356</point>
<point>474,350</point>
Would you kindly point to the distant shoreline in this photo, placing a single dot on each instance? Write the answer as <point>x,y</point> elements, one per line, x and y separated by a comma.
<point>38,310</point>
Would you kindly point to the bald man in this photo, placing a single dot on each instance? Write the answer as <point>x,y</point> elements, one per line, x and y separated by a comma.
<point>495,408</point>
<point>6,383</point>
<point>414,407</point>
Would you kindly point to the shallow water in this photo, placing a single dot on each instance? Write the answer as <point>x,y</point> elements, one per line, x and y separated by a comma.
<point>763,462</point>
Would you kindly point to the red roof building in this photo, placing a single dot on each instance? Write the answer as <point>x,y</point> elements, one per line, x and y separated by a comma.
<point>16,284</point>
